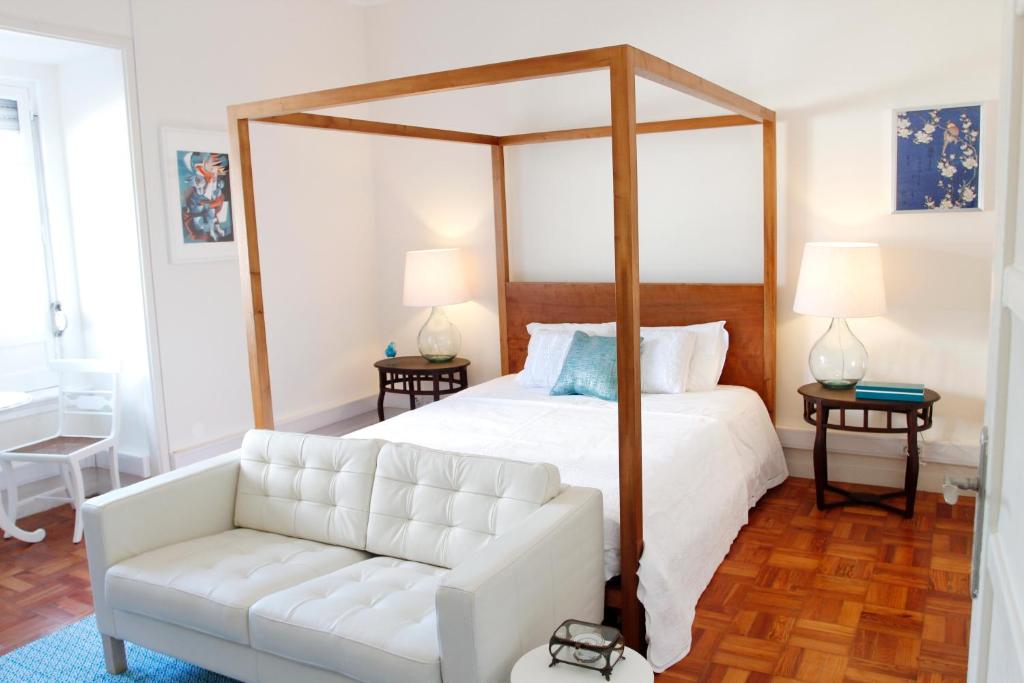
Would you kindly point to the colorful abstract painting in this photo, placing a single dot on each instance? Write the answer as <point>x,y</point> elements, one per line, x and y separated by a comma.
<point>938,158</point>
<point>204,190</point>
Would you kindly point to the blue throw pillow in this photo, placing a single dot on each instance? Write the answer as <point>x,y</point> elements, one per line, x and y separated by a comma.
<point>590,368</point>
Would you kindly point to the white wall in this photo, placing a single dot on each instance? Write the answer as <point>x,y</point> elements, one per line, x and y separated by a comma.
<point>100,187</point>
<point>193,59</point>
<point>97,17</point>
<point>318,254</point>
<point>429,195</point>
<point>832,71</point>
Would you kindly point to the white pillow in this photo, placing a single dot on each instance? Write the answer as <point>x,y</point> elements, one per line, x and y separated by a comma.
<point>548,347</point>
<point>665,357</point>
<point>708,359</point>
<point>599,329</point>
<point>665,354</point>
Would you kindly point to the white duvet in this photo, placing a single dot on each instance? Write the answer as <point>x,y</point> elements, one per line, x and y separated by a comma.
<point>707,458</point>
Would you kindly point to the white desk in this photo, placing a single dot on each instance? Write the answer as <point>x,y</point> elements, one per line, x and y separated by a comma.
<point>8,400</point>
<point>533,668</point>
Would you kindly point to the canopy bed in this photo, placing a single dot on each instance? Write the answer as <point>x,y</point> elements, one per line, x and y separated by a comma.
<point>748,309</point>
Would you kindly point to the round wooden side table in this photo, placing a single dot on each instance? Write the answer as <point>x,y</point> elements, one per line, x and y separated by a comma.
<point>416,376</point>
<point>534,667</point>
<point>820,402</point>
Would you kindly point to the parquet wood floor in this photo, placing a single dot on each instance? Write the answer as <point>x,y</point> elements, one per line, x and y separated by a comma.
<point>45,585</point>
<point>851,594</point>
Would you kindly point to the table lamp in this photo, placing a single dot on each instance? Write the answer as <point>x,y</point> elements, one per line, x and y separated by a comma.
<point>436,278</point>
<point>840,280</point>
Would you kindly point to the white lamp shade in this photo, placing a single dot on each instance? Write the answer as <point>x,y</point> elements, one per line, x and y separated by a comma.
<point>841,280</point>
<point>434,277</point>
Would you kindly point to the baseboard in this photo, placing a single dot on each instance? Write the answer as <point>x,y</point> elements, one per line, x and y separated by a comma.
<point>1003,584</point>
<point>322,418</point>
<point>128,463</point>
<point>94,479</point>
<point>881,446</point>
<point>877,459</point>
<point>300,423</point>
<point>136,464</point>
<point>855,468</point>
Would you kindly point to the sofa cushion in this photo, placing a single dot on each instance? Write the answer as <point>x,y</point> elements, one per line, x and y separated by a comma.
<point>306,486</point>
<point>209,583</point>
<point>438,507</point>
<point>372,621</point>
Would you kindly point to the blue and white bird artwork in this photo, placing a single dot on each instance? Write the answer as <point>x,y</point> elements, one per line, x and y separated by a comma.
<point>938,154</point>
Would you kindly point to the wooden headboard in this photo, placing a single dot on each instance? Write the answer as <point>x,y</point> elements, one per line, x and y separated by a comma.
<point>741,306</point>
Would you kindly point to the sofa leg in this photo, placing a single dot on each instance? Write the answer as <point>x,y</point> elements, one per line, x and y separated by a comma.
<point>113,655</point>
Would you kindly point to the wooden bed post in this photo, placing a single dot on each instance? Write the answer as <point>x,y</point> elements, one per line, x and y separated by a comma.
<point>625,63</point>
<point>243,214</point>
<point>627,307</point>
<point>770,261</point>
<point>501,247</point>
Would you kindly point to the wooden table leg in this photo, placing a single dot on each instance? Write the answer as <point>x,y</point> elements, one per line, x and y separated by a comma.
<point>380,398</point>
<point>820,454</point>
<point>413,388</point>
<point>437,387</point>
<point>910,483</point>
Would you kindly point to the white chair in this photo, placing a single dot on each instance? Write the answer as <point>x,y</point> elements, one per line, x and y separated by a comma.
<point>88,424</point>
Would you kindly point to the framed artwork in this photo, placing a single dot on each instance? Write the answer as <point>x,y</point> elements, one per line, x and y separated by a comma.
<point>198,192</point>
<point>937,162</point>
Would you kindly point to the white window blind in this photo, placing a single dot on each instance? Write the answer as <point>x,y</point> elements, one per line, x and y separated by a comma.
<point>8,114</point>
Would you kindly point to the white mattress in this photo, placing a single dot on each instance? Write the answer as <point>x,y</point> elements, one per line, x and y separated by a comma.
<point>708,457</point>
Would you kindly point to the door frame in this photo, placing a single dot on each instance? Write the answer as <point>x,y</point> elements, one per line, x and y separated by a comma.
<point>1007,302</point>
<point>124,44</point>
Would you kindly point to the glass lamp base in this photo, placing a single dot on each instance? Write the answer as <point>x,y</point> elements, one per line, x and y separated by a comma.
<point>838,360</point>
<point>838,384</point>
<point>439,340</point>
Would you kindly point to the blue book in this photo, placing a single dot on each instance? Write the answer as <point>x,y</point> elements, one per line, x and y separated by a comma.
<point>890,391</point>
<point>893,386</point>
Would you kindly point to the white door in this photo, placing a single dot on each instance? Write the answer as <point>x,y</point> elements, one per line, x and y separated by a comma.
<point>997,619</point>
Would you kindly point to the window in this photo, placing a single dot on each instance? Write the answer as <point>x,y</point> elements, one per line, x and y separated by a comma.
<point>28,301</point>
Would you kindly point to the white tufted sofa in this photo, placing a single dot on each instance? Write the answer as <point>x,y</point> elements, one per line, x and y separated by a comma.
<point>312,558</point>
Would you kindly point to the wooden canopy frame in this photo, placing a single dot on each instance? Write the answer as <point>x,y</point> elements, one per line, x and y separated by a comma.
<point>624,63</point>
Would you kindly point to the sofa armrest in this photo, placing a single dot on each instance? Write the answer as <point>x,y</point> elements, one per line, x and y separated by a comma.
<point>508,598</point>
<point>193,501</point>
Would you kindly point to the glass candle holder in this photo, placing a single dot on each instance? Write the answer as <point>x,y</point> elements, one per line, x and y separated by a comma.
<point>586,645</point>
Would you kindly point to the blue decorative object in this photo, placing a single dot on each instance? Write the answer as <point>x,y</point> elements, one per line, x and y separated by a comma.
<point>390,350</point>
<point>75,653</point>
<point>938,158</point>
<point>590,368</point>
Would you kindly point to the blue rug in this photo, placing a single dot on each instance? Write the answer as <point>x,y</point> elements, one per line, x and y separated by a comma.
<point>75,653</point>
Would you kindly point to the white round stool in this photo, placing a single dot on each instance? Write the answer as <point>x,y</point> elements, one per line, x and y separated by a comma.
<point>533,668</point>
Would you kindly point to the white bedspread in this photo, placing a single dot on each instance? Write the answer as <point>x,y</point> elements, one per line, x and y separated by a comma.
<point>708,457</point>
